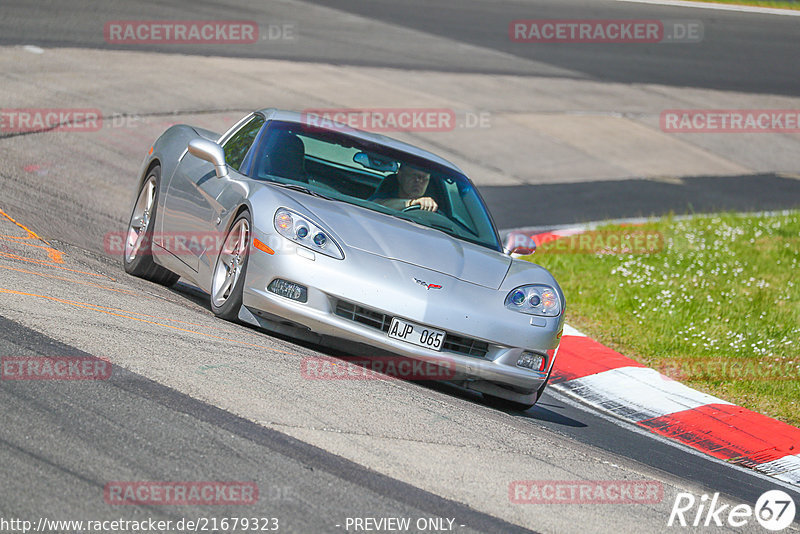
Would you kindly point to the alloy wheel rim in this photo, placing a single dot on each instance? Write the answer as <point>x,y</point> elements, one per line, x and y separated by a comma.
<point>140,219</point>
<point>230,262</point>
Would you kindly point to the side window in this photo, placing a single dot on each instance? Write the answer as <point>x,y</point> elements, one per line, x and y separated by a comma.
<point>238,144</point>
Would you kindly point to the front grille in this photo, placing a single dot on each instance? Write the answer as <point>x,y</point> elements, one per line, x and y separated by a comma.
<point>465,345</point>
<point>364,316</point>
<point>380,321</point>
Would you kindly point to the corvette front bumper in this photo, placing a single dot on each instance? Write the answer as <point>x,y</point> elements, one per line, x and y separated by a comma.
<point>382,286</point>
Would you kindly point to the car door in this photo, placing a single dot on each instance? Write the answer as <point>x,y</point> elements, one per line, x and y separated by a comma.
<point>192,203</point>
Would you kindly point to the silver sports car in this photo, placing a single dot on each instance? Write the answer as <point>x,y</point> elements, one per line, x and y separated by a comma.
<point>348,238</point>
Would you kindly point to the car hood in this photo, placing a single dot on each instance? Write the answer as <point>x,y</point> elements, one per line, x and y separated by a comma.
<point>400,240</point>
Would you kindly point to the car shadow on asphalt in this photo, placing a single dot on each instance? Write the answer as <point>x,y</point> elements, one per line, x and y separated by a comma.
<point>542,413</point>
<point>546,410</point>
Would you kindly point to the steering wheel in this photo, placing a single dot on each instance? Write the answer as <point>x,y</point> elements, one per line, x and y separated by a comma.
<point>412,207</point>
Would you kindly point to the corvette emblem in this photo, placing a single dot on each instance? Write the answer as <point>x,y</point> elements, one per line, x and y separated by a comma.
<point>427,285</point>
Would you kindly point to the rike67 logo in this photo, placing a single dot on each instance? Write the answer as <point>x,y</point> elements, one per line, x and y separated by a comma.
<point>775,510</point>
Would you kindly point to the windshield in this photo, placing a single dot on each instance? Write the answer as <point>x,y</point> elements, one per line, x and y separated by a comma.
<point>340,167</point>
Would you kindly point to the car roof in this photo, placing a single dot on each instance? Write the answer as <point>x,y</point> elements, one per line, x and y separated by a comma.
<point>299,118</point>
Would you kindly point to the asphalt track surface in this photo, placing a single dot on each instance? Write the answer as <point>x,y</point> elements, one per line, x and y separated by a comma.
<point>577,203</point>
<point>756,53</point>
<point>60,443</point>
<point>158,430</point>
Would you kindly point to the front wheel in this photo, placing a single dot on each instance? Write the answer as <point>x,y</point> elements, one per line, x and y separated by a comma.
<point>227,281</point>
<point>138,255</point>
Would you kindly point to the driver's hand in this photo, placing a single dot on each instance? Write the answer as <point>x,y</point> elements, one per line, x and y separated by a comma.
<point>425,203</point>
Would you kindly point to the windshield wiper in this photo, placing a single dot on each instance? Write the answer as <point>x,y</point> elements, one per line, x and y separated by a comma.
<point>303,189</point>
<point>465,227</point>
<point>449,230</point>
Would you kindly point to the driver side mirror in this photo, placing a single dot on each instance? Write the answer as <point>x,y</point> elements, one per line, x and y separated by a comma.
<point>211,152</point>
<point>519,244</point>
<point>521,251</point>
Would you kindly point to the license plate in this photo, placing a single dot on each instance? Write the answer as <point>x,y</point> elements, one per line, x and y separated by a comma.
<point>419,335</point>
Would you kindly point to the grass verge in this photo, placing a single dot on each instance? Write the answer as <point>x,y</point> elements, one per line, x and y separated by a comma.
<point>717,307</point>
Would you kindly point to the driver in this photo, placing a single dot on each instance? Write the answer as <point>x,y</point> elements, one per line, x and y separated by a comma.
<point>412,183</point>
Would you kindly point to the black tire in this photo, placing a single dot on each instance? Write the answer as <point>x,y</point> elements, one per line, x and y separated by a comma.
<point>505,404</point>
<point>228,309</point>
<point>140,262</point>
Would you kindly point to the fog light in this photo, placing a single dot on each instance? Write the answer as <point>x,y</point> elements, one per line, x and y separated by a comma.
<point>531,360</point>
<point>290,290</point>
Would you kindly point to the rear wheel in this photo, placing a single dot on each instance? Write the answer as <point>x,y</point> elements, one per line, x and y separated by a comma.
<point>138,255</point>
<point>227,281</point>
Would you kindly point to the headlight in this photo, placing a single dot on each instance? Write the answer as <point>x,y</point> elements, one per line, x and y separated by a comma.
<point>537,299</point>
<point>298,228</point>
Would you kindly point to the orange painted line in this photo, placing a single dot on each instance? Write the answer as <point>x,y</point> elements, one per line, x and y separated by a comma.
<point>119,291</point>
<point>54,254</point>
<point>19,240</point>
<point>116,290</point>
<point>49,264</point>
<point>45,275</point>
<point>100,309</point>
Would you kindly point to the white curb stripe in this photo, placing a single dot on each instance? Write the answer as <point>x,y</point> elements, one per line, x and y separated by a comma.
<point>719,7</point>
<point>636,393</point>
<point>567,232</point>
<point>786,468</point>
<point>569,331</point>
<point>792,477</point>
